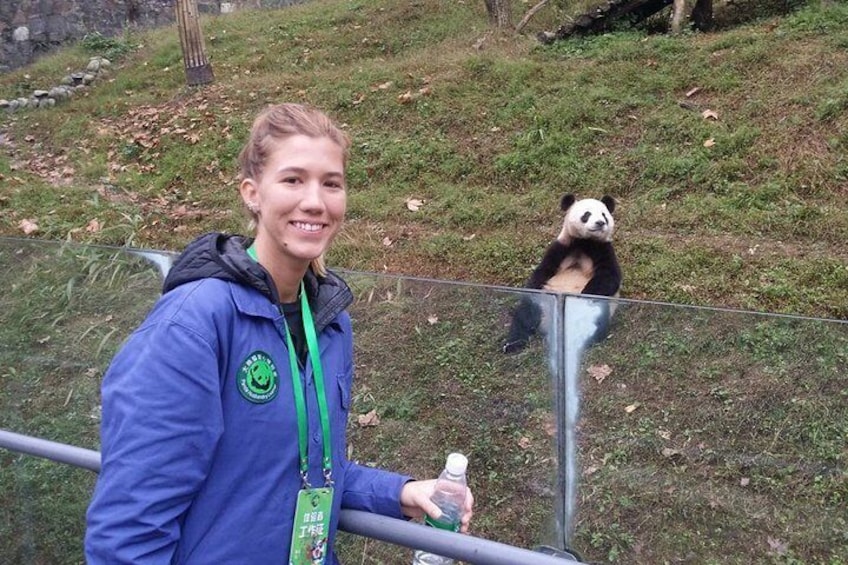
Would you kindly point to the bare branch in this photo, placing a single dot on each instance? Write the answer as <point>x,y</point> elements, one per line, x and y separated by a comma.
<point>530,13</point>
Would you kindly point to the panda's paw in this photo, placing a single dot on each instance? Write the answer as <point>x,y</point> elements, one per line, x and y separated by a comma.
<point>514,346</point>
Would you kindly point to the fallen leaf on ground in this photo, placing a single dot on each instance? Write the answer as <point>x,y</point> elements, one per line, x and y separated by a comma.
<point>599,372</point>
<point>432,319</point>
<point>710,142</point>
<point>693,92</point>
<point>709,115</point>
<point>777,547</point>
<point>369,419</point>
<point>414,204</point>
<point>549,425</point>
<point>632,407</point>
<point>524,442</point>
<point>93,226</point>
<point>28,226</point>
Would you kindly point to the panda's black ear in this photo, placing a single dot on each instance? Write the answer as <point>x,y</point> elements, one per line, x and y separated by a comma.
<point>567,201</point>
<point>609,203</point>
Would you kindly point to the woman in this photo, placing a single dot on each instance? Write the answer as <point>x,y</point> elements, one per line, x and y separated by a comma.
<point>224,413</point>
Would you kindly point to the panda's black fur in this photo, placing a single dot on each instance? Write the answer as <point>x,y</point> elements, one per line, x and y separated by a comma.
<point>580,260</point>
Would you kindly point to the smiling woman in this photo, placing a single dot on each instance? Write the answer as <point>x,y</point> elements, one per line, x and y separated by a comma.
<point>226,407</point>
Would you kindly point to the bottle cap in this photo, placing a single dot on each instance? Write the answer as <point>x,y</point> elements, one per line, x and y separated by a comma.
<point>457,464</point>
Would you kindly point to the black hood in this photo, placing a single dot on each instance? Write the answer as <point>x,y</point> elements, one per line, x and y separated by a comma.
<point>222,256</point>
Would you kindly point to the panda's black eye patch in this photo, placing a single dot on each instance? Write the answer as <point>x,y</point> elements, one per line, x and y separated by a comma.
<point>585,217</point>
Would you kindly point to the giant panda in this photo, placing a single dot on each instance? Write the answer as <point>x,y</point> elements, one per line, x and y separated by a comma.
<point>581,260</point>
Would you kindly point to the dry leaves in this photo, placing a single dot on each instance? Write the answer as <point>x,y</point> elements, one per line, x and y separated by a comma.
<point>368,420</point>
<point>28,226</point>
<point>525,443</point>
<point>550,425</point>
<point>413,204</point>
<point>776,546</point>
<point>710,142</point>
<point>432,319</point>
<point>599,372</point>
<point>629,409</point>
<point>709,115</point>
<point>408,96</point>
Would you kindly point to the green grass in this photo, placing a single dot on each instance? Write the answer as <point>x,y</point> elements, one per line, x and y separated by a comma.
<point>492,138</point>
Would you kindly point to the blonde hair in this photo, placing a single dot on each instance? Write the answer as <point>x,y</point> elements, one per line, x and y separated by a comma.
<point>277,123</point>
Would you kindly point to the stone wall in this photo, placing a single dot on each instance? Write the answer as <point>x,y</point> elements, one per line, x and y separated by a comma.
<point>29,28</point>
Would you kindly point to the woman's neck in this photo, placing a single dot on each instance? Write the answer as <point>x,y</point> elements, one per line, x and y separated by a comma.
<point>287,274</point>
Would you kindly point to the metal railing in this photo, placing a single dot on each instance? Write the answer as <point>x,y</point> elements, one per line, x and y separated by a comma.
<point>467,548</point>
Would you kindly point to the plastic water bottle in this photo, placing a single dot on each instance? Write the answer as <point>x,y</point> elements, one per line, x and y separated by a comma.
<point>449,495</point>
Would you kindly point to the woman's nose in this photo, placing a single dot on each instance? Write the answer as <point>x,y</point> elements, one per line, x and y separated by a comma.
<point>312,196</point>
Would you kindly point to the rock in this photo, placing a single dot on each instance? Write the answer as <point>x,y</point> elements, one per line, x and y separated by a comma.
<point>58,93</point>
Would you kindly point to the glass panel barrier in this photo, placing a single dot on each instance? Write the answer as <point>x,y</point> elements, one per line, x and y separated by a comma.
<point>683,434</point>
<point>64,310</point>
<point>710,436</point>
<point>430,379</point>
<point>431,369</point>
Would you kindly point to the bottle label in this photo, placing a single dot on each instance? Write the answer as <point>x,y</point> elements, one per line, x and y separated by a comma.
<point>442,525</point>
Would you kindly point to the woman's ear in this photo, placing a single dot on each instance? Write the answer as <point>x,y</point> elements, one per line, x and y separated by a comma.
<point>249,193</point>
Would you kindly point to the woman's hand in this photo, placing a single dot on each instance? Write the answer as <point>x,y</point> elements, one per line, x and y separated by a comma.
<point>415,502</point>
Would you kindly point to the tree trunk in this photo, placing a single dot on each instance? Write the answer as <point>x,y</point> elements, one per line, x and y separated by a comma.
<point>197,68</point>
<point>678,14</point>
<point>500,14</point>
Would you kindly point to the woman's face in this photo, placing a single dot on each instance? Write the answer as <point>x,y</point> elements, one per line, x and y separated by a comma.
<point>301,198</point>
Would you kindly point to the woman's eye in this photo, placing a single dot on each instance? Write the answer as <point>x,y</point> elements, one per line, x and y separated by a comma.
<point>290,180</point>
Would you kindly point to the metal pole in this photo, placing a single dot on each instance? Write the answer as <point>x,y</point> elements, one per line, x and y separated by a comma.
<point>468,548</point>
<point>76,456</point>
<point>441,542</point>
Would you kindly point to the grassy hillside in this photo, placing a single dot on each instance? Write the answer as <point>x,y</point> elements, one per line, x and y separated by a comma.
<point>744,208</point>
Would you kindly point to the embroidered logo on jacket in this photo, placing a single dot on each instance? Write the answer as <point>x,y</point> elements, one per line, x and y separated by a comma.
<point>257,378</point>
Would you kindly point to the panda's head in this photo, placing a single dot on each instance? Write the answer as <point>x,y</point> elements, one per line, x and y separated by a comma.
<point>587,219</point>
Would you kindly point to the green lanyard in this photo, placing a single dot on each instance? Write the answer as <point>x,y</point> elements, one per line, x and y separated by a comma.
<point>300,396</point>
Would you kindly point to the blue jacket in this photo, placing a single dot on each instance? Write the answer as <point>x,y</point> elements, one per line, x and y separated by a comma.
<point>194,470</point>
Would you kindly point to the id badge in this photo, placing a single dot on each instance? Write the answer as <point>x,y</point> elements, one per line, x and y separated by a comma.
<point>311,526</point>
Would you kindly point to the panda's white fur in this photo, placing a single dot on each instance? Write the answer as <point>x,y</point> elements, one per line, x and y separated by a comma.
<point>587,219</point>
<point>580,261</point>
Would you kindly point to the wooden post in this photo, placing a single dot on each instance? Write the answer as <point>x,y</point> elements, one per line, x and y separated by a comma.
<point>197,68</point>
